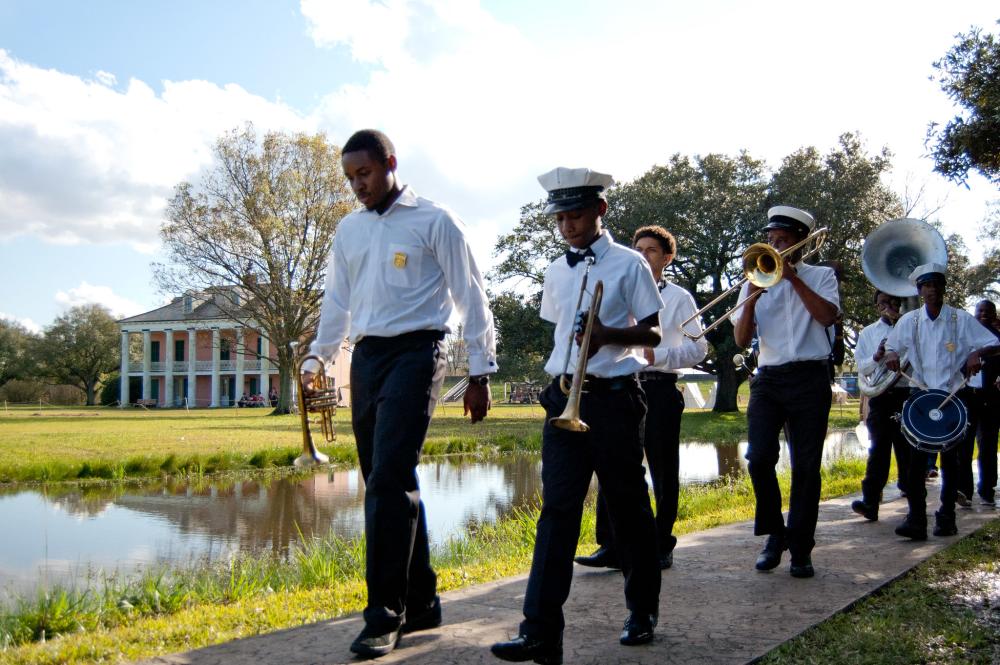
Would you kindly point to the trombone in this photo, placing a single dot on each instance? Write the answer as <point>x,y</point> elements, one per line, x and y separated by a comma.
<point>570,417</point>
<point>322,399</point>
<point>763,266</point>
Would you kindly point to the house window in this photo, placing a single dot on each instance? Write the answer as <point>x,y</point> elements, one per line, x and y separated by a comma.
<point>179,350</point>
<point>224,345</point>
<point>258,345</point>
<point>154,351</point>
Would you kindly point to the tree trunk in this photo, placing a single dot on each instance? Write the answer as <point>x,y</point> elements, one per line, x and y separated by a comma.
<point>286,366</point>
<point>727,379</point>
<point>89,387</point>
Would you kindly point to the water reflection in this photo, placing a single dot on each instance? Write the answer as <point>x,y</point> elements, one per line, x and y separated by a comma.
<point>65,532</point>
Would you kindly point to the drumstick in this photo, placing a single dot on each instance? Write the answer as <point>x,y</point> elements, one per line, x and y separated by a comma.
<point>954,392</point>
<point>912,380</point>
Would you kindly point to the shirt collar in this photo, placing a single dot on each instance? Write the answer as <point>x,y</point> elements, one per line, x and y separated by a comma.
<point>602,244</point>
<point>407,197</point>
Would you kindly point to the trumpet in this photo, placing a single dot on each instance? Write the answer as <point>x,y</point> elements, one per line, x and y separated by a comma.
<point>763,266</point>
<point>563,385</point>
<point>570,417</point>
<point>322,400</point>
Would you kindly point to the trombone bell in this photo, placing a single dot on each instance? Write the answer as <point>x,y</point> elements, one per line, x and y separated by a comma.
<point>321,400</point>
<point>763,265</point>
<point>569,419</point>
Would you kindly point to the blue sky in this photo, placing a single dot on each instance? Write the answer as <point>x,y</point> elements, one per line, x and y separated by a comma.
<point>105,106</point>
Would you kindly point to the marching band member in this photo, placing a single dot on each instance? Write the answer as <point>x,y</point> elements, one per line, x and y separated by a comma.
<point>989,418</point>
<point>883,427</point>
<point>665,403</point>
<point>612,404</point>
<point>941,343</point>
<point>397,270</point>
<point>791,390</point>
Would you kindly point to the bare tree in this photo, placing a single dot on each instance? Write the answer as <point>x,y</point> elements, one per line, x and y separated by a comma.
<point>256,232</point>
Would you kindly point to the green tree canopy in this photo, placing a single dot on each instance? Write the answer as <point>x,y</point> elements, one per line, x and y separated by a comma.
<point>524,339</point>
<point>80,348</point>
<point>16,361</point>
<point>261,221</point>
<point>970,75</point>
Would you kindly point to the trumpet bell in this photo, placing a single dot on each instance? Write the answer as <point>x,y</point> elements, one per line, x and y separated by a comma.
<point>895,248</point>
<point>762,265</point>
<point>570,422</point>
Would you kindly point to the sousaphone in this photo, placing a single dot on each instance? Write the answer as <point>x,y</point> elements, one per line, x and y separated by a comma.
<point>890,254</point>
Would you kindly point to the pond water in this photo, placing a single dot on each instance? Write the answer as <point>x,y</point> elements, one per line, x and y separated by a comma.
<point>61,534</point>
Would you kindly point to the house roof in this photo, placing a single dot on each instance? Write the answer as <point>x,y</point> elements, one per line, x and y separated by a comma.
<point>203,307</point>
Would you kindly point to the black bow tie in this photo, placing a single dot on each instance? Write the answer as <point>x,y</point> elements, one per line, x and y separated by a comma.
<point>572,258</point>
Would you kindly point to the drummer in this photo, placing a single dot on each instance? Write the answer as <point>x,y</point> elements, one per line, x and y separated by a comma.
<point>942,344</point>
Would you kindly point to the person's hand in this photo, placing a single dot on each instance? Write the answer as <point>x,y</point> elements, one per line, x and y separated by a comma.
<point>788,270</point>
<point>649,355</point>
<point>476,401</point>
<point>973,364</point>
<point>598,335</point>
<point>879,352</point>
<point>892,361</point>
<point>307,382</point>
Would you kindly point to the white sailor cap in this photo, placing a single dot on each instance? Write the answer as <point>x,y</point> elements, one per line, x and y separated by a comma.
<point>927,272</point>
<point>787,217</point>
<point>571,189</point>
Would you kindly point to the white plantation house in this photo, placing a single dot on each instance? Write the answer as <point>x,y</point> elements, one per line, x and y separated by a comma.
<point>194,354</point>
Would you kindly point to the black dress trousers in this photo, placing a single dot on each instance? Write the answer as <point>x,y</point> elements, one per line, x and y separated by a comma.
<point>795,396</point>
<point>885,437</point>
<point>661,442</point>
<point>395,382</point>
<point>614,410</point>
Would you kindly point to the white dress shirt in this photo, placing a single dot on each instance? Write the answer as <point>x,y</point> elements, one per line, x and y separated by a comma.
<point>630,295</point>
<point>675,350</point>
<point>937,350</point>
<point>402,271</point>
<point>864,351</point>
<point>786,329</point>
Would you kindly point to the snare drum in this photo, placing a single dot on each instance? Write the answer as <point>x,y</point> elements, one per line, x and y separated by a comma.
<point>928,426</point>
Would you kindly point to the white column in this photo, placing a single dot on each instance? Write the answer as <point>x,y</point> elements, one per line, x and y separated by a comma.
<point>240,350</point>
<point>192,359</point>
<point>123,378</point>
<point>168,369</point>
<point>146,360</point>
<point>216,348</point>
<point>265,365</point>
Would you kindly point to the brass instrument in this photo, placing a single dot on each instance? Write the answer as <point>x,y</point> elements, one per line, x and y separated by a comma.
<point>889,255</point>
<point>763,267</point>
<point>572,333</point>
<point>570,417</point>
<point>322,400</point>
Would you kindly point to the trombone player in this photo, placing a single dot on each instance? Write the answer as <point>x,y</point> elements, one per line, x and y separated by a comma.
<point>791,389</point>
<point>612,406</point>
<point>883,428</point>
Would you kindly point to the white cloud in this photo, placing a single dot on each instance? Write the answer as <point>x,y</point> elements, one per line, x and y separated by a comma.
<point>29,325</point>
<point>86,294</point>
<point>84,162</point>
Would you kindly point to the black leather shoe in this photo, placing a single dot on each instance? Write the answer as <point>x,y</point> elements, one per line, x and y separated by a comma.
<point>912,529</point>
<point>601,558</point>
<point>866,510</point>
<point>524,648</point>
<point>666,560</point>
<point>638,629</point>
<point>802,566</point>
<point>944,525</point>
<point>770,556</point>
<point>375,642</point>
<point>423,618</point>
<point>962,500</point>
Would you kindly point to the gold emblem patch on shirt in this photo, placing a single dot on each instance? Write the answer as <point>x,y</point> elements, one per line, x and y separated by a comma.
<point>399,260</point>
<point>949,347</point>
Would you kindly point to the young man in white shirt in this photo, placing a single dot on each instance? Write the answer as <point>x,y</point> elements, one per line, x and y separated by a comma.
<point>397,270</point>
<point>942,344</point>
<point>665,403</point>
<point>790,390</point>
<point>883,427</point>
<point>989,420</point>
<point>613,406</point>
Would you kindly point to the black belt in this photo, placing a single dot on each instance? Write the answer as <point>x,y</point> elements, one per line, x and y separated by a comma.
<point>669,377</point>
<point>796,366</point>
<point>602,384</point>
<point>415,337</point>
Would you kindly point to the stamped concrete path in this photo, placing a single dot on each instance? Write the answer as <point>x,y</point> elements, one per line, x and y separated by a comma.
<point>714,607</point>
